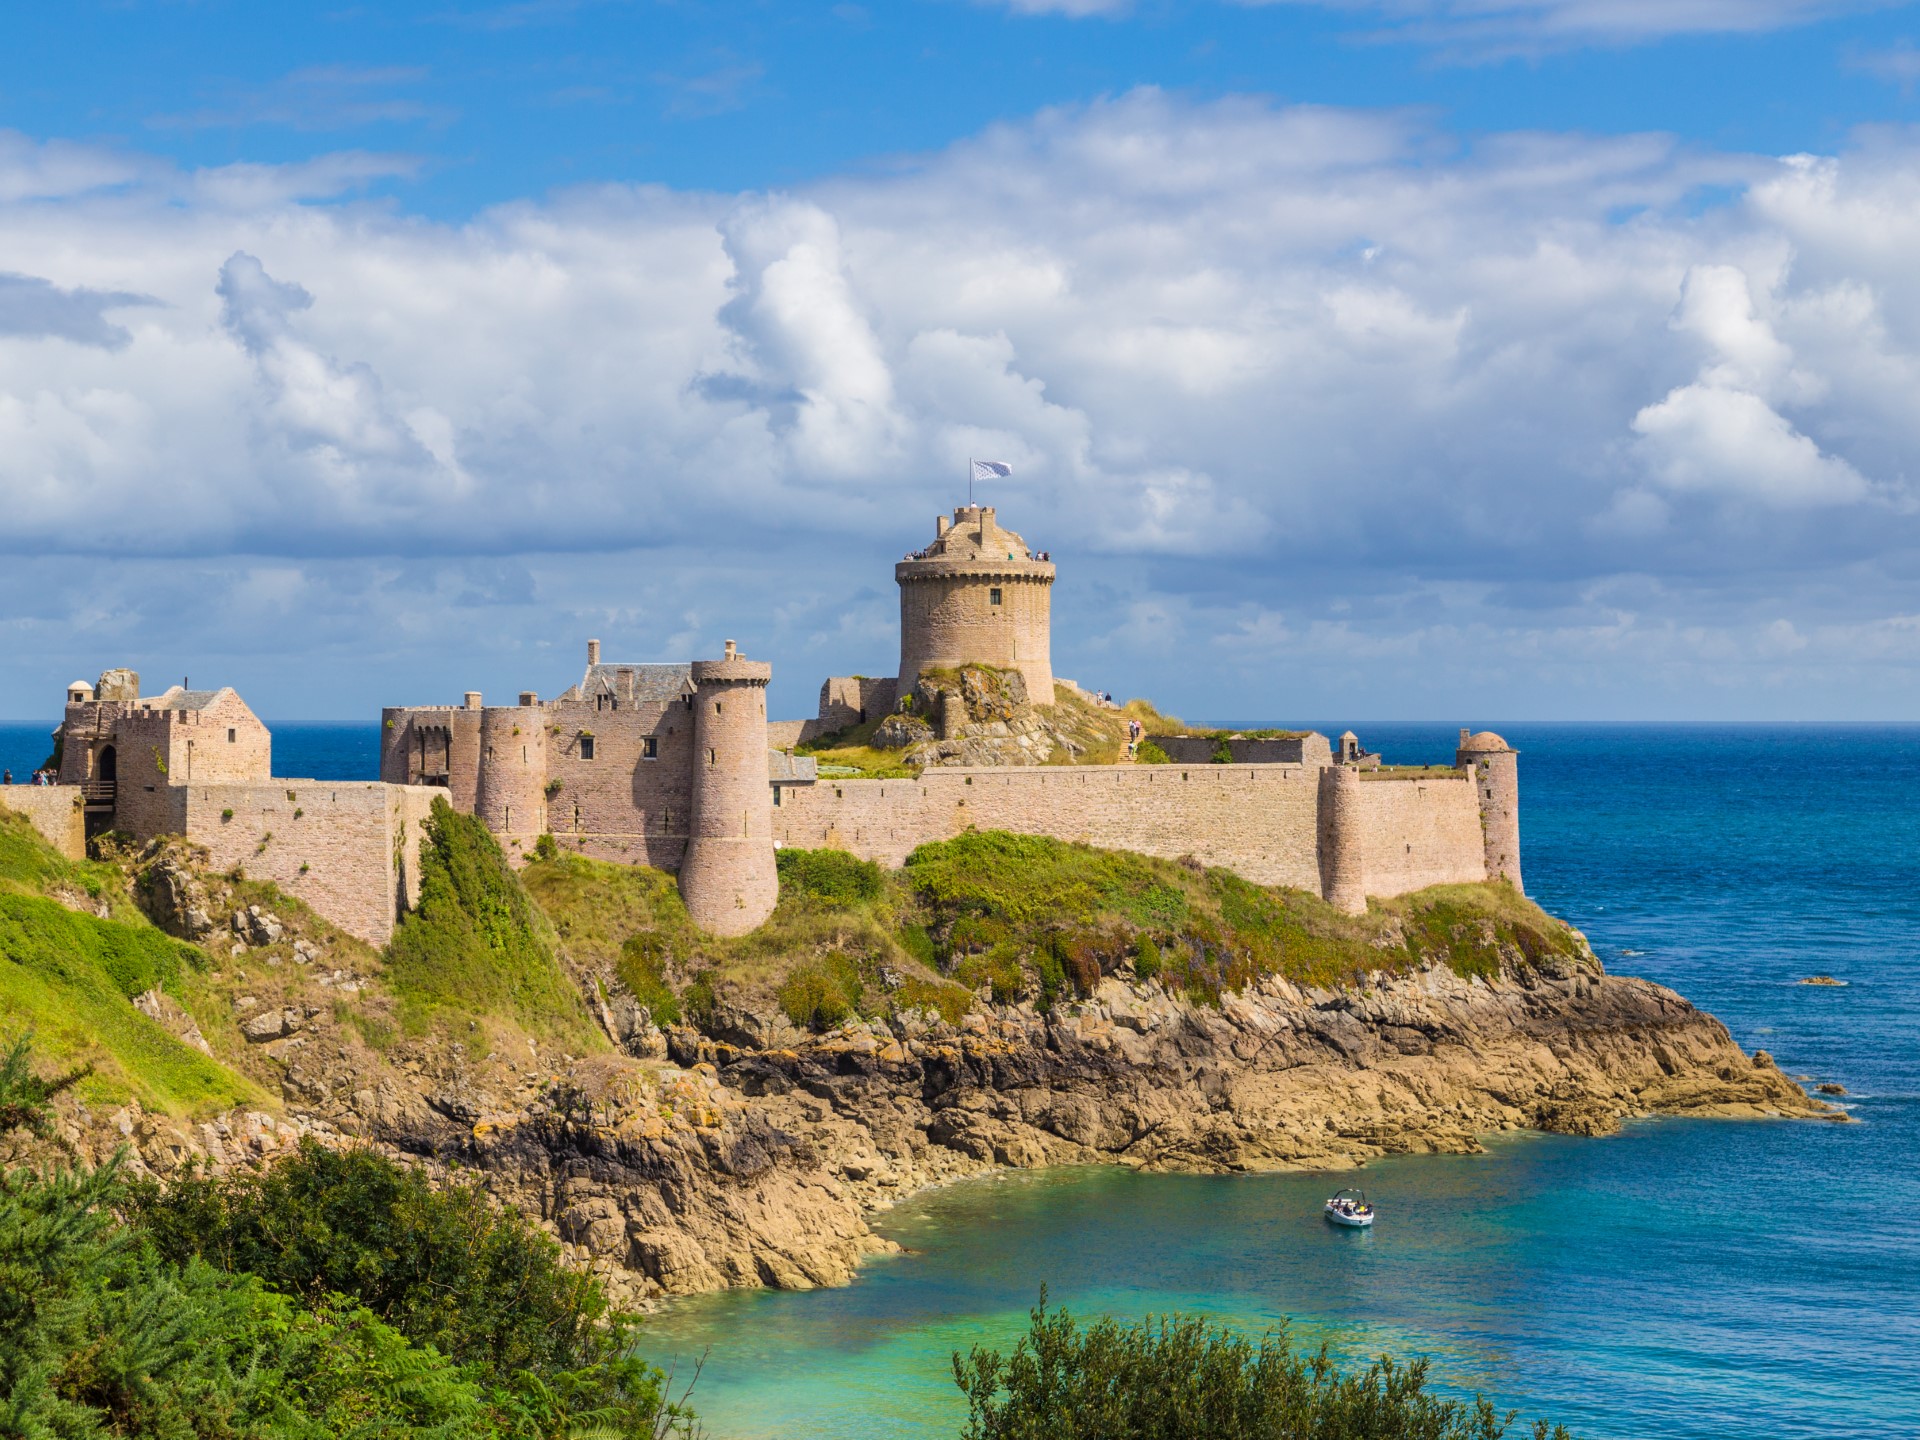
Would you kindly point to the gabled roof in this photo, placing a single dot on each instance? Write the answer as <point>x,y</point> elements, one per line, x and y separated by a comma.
<point>178,699</point>
<point>634,684</point>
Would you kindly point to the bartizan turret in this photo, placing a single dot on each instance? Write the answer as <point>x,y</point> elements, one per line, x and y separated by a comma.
<point>1495,768</point>
<point>976,595</point>
<point>511,794</point>
<point>1343,881</point>
<point>728,878</point>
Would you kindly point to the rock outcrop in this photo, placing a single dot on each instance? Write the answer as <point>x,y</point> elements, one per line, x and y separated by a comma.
<point>979,715</point>
<point>683,1162</point>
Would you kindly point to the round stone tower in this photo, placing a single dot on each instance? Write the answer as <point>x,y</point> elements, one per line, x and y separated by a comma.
<point>978,595</point>
<point>727,877</point>
<point>1495,768</point>
<point>1343,881</point>
<point>510,796</point>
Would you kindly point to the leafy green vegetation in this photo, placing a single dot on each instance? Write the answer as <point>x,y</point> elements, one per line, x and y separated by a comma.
<point>1184,1379</point>
<point>477,942</point>
<point>838,925</point>
<point>336,1295</point>
<point>30,866</point>
<point>69,978</point>
<point>1030,914</point>
<point>1015,916</point>
<point>1148,753</point>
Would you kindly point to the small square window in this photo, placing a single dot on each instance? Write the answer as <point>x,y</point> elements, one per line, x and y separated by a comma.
<point>649,748</point>
<point>232,735</point>
<point>993,595</point>
<point>586,747</point>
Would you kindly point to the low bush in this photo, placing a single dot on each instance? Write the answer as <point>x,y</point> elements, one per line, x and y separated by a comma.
<point>334,1295</point>
<point>818,994</point>
<point>1186,1379</point>
<point>831,875</point>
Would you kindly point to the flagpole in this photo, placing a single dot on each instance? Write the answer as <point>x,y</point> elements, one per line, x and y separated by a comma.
<point>969,482</point>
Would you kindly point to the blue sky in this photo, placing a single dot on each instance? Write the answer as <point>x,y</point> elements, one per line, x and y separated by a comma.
<point>1394,358</point>
<point>511,100</point>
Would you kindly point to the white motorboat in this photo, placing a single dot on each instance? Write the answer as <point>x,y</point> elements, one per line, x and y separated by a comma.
<point>1350,1207</point>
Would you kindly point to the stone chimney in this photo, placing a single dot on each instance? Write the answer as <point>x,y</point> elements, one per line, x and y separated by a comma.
<point>529,697</point>
<point>733,651</point>
<point>941,524</point>
<point>593,652</point>
<point>473,699</point>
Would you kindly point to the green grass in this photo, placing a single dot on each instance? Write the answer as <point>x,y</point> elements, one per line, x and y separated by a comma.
<point>1018,916</point>
<point>477,944</point>
<point>30,866</point>
<point>1031,914</point>
<point>837,921</point>
<point>68,979</point>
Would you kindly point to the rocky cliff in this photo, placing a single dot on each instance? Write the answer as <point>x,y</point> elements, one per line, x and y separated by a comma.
<point>754,1154</point>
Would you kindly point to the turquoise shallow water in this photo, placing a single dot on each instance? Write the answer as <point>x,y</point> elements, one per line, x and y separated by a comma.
<point>1685,1278</point>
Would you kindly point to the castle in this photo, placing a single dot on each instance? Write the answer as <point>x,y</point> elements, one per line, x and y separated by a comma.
<point>678,766</point>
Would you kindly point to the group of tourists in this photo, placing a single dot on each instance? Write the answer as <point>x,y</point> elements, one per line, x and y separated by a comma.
<point>40,777</point>
<point>1136,732</point>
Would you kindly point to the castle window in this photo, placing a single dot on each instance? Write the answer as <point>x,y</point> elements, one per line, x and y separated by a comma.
<point>586,747</point>
<point>231,735</point>
<point>993,595</point>
<point>600,702</point>
<point>713,757</point>
<point>649,748</point>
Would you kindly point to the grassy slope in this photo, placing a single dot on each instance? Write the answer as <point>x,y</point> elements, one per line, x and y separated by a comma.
<point>70,977</point>
<point>1019,916</point>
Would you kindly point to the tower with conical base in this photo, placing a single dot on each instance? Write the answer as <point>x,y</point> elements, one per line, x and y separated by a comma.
<point>1495,767</point>
<point>727,877</point>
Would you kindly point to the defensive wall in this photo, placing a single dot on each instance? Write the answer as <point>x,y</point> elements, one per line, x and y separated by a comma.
<point>56,811</point>
<point>1263,822</point>
<point>349,849</point>
<point>1310,748</point>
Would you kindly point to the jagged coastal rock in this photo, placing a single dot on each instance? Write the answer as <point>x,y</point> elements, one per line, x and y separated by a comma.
<point>688,1163</point>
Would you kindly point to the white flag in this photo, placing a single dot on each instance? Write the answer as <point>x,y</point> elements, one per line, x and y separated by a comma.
<point>991,470</point>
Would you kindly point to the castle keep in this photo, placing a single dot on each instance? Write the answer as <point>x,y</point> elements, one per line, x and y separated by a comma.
<point>677,766</point>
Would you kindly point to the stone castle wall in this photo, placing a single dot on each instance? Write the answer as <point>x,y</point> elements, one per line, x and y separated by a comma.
<point>55,811</point>
<point>1261,821</point>
<point>1258,820</point>
<point>948,619</point>
<point>350,850</point>
<point>1417,832</point>
<point>1309,749</point>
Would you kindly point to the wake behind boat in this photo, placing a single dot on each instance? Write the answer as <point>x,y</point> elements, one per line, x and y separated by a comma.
<point>1350,1207</point>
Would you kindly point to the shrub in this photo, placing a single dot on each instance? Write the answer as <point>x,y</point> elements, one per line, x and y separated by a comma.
<point>700,1001</point>
<point>24,1096</point>
<point>1146,958</point>
<point>1185,1379</point>
<point>334,1295</point>
<point>544,847</point>
<point>1222,752</point>
<point>819,994</point>
<point>832,875</point>
<point>642,968</point>
<point>1148,753</point>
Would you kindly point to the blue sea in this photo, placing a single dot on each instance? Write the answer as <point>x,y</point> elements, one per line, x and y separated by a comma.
<point>1686,1278</point>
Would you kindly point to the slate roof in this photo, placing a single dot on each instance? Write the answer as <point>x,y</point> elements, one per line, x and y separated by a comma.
<point>634,684</point>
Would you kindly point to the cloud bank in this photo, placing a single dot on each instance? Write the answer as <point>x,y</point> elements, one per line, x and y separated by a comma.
<point>1310,397</point>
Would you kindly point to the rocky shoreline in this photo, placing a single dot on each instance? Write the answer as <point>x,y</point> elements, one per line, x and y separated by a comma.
<point>690,1163</point>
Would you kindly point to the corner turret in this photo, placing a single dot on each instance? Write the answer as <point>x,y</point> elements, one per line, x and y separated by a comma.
<point>1495,768</point>
<point>728,877</point>
<point>511,793</point>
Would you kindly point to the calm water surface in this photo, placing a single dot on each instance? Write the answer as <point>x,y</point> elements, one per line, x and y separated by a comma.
<point>1685,1278</point>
